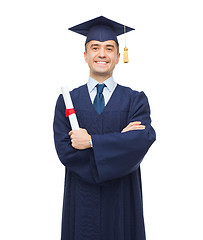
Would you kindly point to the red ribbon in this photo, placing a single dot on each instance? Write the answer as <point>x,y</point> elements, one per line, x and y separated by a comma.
<point>70,111</point>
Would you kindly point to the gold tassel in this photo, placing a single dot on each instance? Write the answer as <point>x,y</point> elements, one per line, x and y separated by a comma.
<point>125,55</point>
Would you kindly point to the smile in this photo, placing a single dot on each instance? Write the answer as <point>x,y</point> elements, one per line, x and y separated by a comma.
<point>101,62</point>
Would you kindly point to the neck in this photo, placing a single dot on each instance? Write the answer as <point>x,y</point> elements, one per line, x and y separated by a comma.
<point>100,78</point>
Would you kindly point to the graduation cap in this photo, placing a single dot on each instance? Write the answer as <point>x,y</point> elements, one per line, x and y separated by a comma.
<point>102,29</point>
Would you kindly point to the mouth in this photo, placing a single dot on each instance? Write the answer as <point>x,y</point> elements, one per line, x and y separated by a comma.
<point>101,62</point>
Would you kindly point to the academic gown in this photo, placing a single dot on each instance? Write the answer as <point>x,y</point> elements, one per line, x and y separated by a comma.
<point>102,192</point>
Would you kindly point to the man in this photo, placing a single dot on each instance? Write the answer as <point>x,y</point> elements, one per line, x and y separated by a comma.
<point>103,194</point>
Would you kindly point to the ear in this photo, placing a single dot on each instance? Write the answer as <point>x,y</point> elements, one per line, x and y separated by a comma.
<point>118,57</point>
<point>85,56</point>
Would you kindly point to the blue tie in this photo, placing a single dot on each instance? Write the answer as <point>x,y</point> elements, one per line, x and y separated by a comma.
<point>99,98</point>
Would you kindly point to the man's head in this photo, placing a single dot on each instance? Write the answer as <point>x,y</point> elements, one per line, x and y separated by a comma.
<point>102,58</point>
<point>101,46</point>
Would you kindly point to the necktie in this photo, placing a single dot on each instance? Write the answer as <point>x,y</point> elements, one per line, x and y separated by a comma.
<point>99,98</point>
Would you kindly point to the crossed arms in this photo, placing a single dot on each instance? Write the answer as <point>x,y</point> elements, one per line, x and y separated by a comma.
<point>80,139</point>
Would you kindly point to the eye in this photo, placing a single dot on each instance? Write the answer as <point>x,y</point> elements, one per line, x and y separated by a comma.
<point>110,49</point>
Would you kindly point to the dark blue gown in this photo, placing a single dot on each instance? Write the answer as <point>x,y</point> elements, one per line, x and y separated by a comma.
<point>103,192</point>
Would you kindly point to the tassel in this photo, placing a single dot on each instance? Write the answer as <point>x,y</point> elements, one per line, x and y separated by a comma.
<point>125,56</point>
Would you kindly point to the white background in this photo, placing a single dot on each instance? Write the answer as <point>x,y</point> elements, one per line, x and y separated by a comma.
<point>38,55</point>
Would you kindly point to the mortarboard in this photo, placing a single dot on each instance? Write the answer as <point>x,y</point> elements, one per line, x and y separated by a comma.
<point>102,29</point>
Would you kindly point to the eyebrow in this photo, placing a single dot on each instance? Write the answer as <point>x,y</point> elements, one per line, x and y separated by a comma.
<point>96,45</point>
<point>109,45</point>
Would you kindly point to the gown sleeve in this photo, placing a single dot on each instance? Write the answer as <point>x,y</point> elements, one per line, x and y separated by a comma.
<point>79,162</point>
<point>119,154</point>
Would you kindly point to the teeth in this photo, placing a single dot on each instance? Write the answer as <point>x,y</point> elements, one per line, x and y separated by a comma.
<point>101,62</point>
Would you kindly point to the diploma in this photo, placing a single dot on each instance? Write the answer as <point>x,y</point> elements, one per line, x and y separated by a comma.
<point>70,112</point>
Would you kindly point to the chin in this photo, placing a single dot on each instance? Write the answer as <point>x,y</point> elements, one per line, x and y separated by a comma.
<point>102,73</point>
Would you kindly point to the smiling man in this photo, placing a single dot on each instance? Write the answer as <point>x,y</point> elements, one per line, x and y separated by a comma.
<point>103,193</point>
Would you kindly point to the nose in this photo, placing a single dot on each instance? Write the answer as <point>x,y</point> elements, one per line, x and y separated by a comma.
<point>102,53</point>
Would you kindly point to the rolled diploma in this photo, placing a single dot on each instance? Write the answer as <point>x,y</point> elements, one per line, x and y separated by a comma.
<point>69,105</point>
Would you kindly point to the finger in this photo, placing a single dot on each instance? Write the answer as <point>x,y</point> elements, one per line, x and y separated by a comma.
<point>137,127</point>
<point>140,128</point>
<point>135,123</point>
<point>70,133</point>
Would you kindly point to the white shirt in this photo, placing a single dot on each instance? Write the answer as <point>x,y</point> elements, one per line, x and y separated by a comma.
<point>107,92</point>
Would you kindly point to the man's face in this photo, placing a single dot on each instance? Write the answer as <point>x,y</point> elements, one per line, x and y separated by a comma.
<point>102,58</point>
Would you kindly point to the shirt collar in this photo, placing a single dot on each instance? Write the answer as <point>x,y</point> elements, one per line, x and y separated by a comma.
<point>110,84</point>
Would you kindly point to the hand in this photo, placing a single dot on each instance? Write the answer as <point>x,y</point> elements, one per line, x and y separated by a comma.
<point>80,139</point>
<point>133,126</point>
